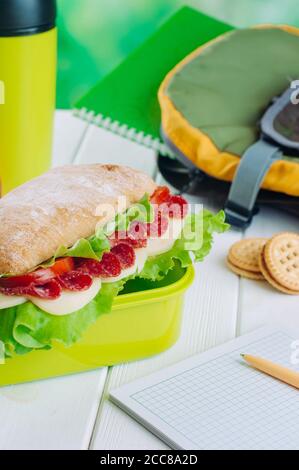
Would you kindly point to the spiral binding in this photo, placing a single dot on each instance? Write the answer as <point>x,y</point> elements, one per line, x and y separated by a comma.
<point>123,130</point>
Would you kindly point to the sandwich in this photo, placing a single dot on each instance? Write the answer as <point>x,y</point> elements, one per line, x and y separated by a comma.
<point>72,238</point>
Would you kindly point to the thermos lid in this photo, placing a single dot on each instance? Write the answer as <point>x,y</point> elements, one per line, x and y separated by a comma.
<point>24,17</point>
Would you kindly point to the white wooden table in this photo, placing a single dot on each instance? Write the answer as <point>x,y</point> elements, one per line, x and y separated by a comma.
<point>73,412</point>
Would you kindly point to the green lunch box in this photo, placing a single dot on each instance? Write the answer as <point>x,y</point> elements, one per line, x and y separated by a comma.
<point>144,321</point>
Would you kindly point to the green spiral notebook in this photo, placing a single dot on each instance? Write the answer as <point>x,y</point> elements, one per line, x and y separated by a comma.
<point>125,101</point>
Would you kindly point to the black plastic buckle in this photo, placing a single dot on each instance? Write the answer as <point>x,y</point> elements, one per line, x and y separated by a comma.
<point>239,216</point>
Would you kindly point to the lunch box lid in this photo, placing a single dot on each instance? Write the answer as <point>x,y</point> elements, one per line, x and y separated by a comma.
<point>20,18</point>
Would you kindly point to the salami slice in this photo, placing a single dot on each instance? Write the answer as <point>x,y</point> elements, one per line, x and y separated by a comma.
<point>178,207</point>
<point>13,291</point>
<point>10,292</point>
<point>159,226</point>
<point>109,266</point>
<point>125,254</point>
<point>75,281</point>
<point>50,291</point>
<point>39,277</point>
<point>138,231</point>
<point>136,236</point>
<point>89,266</point>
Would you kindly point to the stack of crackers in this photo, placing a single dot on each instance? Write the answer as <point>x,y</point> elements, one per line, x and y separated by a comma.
<point>275,260</point>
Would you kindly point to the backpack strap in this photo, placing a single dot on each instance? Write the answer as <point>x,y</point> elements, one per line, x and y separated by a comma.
<point>252,169</point>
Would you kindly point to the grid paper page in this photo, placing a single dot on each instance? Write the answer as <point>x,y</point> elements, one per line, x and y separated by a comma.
<point>225,404</point>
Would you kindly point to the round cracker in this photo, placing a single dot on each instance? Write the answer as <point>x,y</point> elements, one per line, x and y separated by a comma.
<point>244,273</point>
<point>272,281</point>
<point>245,254</point>
<point>281,258</point>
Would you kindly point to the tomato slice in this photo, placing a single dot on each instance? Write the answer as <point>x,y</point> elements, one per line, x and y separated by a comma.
<point>62,266</point>
<point>161,195</point>
<point>178,207</point>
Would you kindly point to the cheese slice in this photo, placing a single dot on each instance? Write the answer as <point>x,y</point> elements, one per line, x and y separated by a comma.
<point>7,301</point>
<point>158,245</point>
<point>141,257</point>
<point>68,302</point>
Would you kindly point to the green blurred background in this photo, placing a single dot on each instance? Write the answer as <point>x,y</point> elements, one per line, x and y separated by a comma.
<point>95,35</point>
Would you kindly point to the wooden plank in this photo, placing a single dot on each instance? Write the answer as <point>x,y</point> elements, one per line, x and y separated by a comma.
<point>209,319</point>
<point>69,131</point>
<point>58,413</point>
<point>54,414</point>
<point>259,303</point>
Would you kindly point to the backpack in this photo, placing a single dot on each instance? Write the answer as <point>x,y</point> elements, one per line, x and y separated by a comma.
<point>212,103</point>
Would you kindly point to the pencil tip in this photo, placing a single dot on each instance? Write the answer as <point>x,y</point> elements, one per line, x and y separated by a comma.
<point>242,355</point>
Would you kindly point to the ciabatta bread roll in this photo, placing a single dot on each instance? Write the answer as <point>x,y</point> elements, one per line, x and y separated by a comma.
<point>58,208</point>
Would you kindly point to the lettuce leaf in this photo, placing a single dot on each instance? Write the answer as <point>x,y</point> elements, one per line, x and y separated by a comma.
<point>26,327</point>
<point>194,244</point>
<point>92,248</point>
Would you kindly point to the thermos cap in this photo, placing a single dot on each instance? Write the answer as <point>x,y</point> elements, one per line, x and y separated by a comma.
<point>24,17</point>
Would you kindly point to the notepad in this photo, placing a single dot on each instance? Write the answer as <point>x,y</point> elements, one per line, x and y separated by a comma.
<point>126,101</point>
<point>216,401</point>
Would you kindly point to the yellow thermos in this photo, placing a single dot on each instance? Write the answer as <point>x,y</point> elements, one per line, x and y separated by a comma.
<point>28,45</point>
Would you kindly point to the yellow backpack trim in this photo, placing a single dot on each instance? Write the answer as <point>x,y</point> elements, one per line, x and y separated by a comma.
<point>200,149</point>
